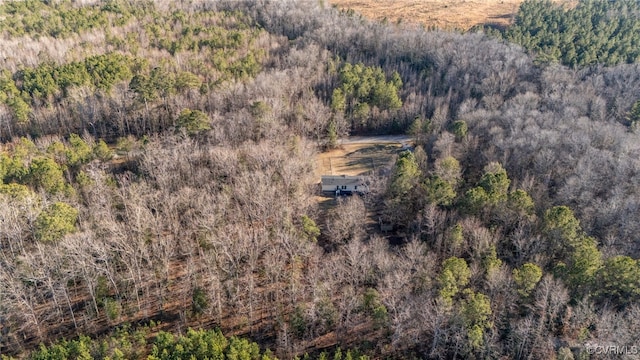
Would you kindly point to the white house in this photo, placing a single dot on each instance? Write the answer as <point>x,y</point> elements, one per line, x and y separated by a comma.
<point>343,184</point>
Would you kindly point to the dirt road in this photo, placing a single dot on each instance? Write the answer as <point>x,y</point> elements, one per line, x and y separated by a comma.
<point>382,139</point>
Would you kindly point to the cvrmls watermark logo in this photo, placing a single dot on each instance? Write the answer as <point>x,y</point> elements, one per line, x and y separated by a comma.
<point>611,349</point>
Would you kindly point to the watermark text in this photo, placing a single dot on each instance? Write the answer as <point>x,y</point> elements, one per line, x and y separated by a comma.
<point>611,349</point>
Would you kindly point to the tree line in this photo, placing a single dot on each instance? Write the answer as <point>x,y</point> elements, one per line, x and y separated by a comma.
<point>125,343</point>
<point>593,32</point>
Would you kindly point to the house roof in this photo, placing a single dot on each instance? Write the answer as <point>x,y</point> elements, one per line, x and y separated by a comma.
<point>335,180</point>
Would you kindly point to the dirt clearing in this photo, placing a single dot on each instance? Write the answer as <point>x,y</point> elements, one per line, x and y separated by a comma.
<point>360,155</point>
<point>357,156</point>
<point>356,159</point>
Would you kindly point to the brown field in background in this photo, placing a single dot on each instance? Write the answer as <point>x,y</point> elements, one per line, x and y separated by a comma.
<point>442,14</point>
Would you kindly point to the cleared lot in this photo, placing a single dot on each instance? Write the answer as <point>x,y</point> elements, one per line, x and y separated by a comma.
<point>360,155</point>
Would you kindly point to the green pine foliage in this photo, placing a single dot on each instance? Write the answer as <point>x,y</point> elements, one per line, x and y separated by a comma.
<point>372,305</point>
<point>526,278</point>
<point>199,301</point>
<point>218,47</point>
<point>439,191</point>
<point>362,88</point>
<point>495,183</point>
<point>203,344</point>
<point>577,255</point>
<point>490,261</point>
<point>192,122</point>
<point>594,32</point>
<point>124,343</point>
<point>582,265</point>
<point>405,180</point>
<point>16,191</point>
<point>56,221</point>
<point>46,174</point>
<point>619,280</point>
<point>106,70</point>
<point>74,349</point>
<point>633,119</point>
<point>459,128</point>
<point>11,96</point>
<point>48,169</point>
<point>48,81</point>
<point>310,230</point>
<point>453,278</point>
<point>405,176</point>
<point>78,152</point>
<point>15,162</point>
<point>102,151</point>
<point>58,19</point>
<point>521,203</point>
<point>491,193</point>
<point>475,310</point>
<point>186,80</point>
<point>561,225</point>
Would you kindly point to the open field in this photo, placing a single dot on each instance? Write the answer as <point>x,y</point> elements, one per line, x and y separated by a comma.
<point>442,14</point>
<point>356,159</point>
<point>360,155</point>
<point>357,156</point>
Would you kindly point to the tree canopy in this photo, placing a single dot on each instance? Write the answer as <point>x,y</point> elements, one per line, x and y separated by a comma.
<point>592,32</point>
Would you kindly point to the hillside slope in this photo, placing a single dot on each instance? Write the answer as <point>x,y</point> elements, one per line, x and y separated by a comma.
<point>157,170</point>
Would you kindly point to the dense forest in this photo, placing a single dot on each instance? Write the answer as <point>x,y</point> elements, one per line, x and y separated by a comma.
<point>158,186</point>
<point>594,32</point>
